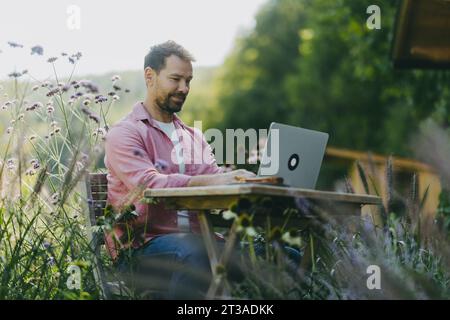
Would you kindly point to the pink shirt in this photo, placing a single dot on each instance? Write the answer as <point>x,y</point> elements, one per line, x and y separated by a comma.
<point>138,155</point>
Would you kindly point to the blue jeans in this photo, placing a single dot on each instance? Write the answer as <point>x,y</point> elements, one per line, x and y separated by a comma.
<point>181,261</point>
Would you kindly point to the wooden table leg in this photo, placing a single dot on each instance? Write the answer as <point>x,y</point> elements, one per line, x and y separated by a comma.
<point>211,248</point>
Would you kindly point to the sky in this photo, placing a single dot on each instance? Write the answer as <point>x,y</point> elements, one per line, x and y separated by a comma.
<point>115,35</point>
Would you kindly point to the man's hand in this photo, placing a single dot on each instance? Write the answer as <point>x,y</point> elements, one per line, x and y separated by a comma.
<point>218,179</point>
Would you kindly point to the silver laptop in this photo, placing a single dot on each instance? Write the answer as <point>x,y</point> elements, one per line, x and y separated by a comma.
<point>294,154</point>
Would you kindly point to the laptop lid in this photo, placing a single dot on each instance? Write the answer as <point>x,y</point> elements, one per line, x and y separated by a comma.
<point>294,154</point>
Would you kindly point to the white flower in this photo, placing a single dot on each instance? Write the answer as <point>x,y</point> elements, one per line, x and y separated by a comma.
<point>115,78</point>
<point>9,130</point>
<point>116,97</point>
<point>228,215</point>
<point>292,239</point>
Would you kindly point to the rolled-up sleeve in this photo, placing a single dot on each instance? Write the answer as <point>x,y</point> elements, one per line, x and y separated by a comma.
<point>127,157</point>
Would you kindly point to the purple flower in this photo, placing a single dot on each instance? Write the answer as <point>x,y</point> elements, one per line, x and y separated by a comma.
<point>37,50</point>
<point>161,165</point>
<point>14,74</point>
<point>15,45</point>
<point>90,87</point>
<point>303,205</point>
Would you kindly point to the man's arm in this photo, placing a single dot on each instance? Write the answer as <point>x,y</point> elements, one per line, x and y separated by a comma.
<point>218,179</point>
<point>126,155</point>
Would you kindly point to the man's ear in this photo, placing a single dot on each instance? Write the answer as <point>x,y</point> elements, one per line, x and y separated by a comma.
<point>149,76</point>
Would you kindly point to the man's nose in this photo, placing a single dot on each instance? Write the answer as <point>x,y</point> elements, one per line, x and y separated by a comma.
<point>183,87</point>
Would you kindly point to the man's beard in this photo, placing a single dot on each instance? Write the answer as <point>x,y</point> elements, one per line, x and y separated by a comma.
<point>170,105</point>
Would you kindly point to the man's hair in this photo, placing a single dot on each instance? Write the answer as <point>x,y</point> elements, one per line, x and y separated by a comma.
<point>156,58</point>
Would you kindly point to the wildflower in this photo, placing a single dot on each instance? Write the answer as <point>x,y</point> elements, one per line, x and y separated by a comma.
<point>20,117</point>
<point>100,99</point>
<point>127,90</point>
<point>52,59</point>
<point>30,172</point>
<point>32,137</point>
<point>11,102</point>
<point>9,130</point>
<point>35,163</point>
<point>63,54</point>
<point>54,199</point>
<point>117,88</point>
<point>86,102</point>
<point>91,115</point>
<point>53,124</point>
<point>71,101</point>
<point>228,215</point>
<point>47,245</point>
<point>160,164</point>
<point>292,238</point>
<point>33,106</point>
<point>75,84</point>
<point>84,156</point>
<point>25,71</point>
<point>89,86</point>
<point>52,92</point>
<point>14,75</point>
<point>116,98</point>
<point>11,164</point>
<point>15,45</point>
<point>12,121</point>
<point>65,87</point>
<point>245,225</point>
<point>51,261</point>
<point>45,84</point>
<point>72,61</point>
<point>50,109</point>
<point>35,88</point>
<point>57,130</point>
<point>99,131</point>
<point>79,94</point>
<point>115,78</point>
<point>77,55</point>
<point>37,50</point>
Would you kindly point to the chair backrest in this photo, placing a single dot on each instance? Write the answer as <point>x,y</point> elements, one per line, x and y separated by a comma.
<point>97,192</point>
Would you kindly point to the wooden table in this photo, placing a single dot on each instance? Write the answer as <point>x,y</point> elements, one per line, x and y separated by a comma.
<point>205,199</point>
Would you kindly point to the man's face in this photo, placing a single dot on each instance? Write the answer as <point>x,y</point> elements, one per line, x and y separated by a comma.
<point>171,86</point>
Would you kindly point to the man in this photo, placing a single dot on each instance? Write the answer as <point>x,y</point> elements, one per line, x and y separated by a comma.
<point>152,148</point>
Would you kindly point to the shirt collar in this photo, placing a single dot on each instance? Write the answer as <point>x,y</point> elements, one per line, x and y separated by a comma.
<point>140,113</point>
